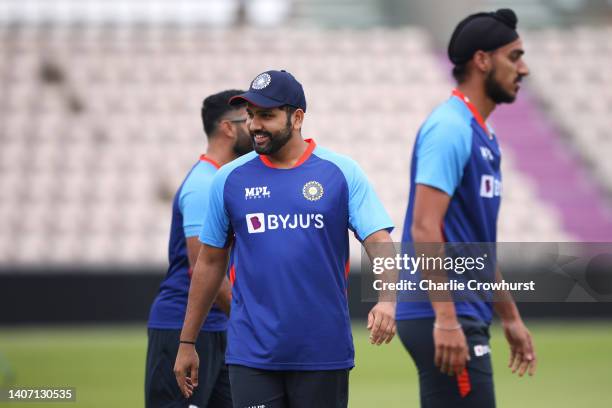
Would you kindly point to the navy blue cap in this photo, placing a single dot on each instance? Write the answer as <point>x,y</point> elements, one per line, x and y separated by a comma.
<point>272,89</point>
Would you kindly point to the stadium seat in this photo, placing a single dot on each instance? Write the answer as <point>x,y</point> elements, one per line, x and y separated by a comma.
<point>100,179</point>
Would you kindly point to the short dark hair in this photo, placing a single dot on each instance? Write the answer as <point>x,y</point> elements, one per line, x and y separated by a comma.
<point>215,106</point>
<point>460,73</point>
<point>290,109</point>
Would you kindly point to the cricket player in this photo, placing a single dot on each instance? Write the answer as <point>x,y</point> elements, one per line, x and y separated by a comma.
<point>455,193</point>
<point>288,207</point>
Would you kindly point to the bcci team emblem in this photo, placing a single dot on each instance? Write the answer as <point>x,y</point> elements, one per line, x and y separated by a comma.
<point>312,191</point>
<point>261,81</point>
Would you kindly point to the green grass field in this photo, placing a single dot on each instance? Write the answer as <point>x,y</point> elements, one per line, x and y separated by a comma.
<point>106,366</point>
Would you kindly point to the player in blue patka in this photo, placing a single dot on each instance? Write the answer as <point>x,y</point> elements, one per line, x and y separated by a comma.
<point>288,207</point>
<point>455,193</point>
<point>228,138</point>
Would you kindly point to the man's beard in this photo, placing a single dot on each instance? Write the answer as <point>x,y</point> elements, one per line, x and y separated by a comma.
<point>243,143</point>
<point>495,91</point>
<point>275,141</point>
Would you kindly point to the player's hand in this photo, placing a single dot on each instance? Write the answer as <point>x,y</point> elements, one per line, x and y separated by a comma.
<point>451,350</point>
<point>381,323</point>
<point>186,369</point>
<point>522,353</point>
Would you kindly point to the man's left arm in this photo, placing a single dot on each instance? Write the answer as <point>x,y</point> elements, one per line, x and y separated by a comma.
<point>381,319</point>
<point>371,224</point>
<point>522,353</point>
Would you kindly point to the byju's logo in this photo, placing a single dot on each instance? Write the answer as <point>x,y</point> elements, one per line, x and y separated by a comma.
<point>260,222</point>
<point>490,187</point>
<point>256,223</point>
<point>256,192</point>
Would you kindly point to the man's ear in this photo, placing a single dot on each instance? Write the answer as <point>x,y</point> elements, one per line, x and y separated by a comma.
<point>482,61</point>
<point>225,128</point>
<point>298,119</point>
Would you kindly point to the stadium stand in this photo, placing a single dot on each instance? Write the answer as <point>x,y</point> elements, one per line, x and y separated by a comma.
<point>578,89</point>
<point>98,125</point>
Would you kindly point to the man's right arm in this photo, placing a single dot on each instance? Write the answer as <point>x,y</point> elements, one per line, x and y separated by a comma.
<point>442,150</point>
<point>451,351</point>
<point>206,280</point>
<point>193,201</point>
<point>224,296</point>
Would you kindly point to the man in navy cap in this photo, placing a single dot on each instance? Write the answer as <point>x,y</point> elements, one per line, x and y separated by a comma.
<point>455,193</point>
<point>287,207</point>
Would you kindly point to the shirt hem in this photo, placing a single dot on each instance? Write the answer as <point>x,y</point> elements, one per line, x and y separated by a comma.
<point>192,232</point>
<point>174,327</point>
<point>388,227</point>
<point>211,242</point>
<point>424,315</point>
<point>342,365</point>
<point>438,186</point>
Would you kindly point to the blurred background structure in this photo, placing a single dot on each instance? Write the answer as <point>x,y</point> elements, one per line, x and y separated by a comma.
<point>99,115</point>
<point>99,122</point>
<point>99,118</point>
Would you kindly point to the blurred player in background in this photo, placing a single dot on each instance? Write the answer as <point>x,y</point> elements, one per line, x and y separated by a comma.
<point>455,193</point>
<point>290,206</point>
<point>228,138</point>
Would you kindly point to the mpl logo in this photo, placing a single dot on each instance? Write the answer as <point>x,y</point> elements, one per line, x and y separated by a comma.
<point>256,192</point>
<point>490,187</point>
